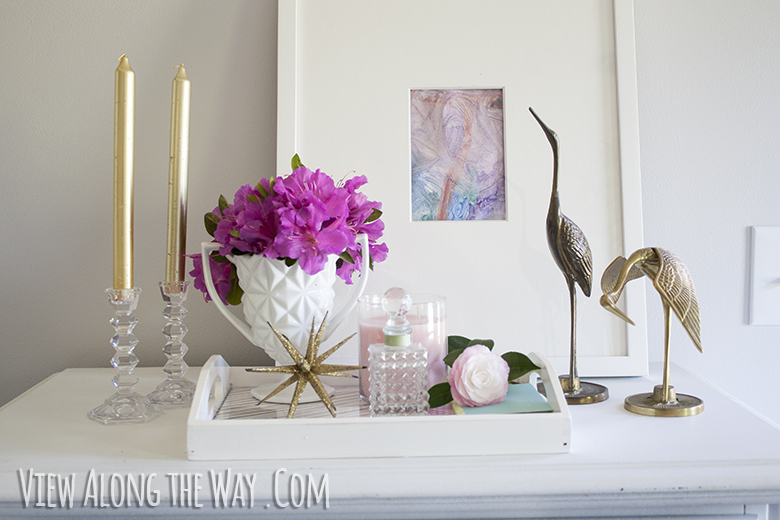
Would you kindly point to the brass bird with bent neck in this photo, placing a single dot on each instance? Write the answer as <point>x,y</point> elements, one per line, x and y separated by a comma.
<point>670,278</point>
<point>674,284</point>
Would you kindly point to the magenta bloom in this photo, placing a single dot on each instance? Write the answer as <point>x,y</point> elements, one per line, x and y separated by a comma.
<point>304,186</point>
<point>258,226</point>
<point>378,253</point>
<point>304,217</point>
<point>220,275</point>
<point>303,238</point>
<point>478,377</point>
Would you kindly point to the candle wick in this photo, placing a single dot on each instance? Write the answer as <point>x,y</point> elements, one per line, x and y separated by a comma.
<point>122,56</point>
<point>179,65</point>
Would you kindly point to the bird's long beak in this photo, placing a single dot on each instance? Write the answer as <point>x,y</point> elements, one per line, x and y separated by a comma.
<point>551,135</point>
<point>607,304</point>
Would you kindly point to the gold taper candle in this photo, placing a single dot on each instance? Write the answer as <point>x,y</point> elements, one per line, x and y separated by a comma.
<point>124,106</point>
<point>177,178</point>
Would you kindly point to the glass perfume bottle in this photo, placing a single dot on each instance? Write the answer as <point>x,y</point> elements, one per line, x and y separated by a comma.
<point>397,368</point>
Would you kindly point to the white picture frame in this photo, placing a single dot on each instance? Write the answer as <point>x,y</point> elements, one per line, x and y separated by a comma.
<point>345,71</point>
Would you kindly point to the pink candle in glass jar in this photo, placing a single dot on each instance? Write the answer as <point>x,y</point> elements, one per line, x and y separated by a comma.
<point>429,327</point>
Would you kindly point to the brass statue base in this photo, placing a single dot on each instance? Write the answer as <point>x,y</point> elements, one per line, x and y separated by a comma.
<point>677,405</point>
<point>584,392</point>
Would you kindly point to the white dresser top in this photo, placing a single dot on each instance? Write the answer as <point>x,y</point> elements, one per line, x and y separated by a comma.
<point>622,463</point>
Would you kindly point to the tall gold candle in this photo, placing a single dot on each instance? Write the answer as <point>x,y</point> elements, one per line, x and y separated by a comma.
<point>124,106</point>
<point>177,178</point>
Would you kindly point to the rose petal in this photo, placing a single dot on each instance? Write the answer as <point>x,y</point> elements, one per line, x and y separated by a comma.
<point>479,377</point>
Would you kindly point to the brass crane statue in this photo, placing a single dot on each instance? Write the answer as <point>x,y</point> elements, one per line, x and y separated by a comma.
<point>675,286</point>
<point>571,252</point>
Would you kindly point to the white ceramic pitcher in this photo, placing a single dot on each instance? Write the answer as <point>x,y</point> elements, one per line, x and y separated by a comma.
<point>286,297</point>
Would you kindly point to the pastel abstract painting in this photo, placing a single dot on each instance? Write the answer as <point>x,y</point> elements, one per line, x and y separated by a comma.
<point>457,142</point>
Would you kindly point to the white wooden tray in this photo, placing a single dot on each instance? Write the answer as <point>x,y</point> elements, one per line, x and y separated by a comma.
<point>225,424</point>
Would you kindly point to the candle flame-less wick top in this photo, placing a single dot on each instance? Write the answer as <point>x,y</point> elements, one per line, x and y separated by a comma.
<point>396,303</point>
<point>124,64</point>
<point>181,74</point>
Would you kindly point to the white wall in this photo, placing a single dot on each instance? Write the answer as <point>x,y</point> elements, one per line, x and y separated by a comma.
<point>709,124</point>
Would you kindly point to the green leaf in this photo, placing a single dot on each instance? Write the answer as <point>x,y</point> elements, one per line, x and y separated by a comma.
<point>519,364</point>
<point>439,395</point>
<point>456,342</point>
<point>487,342</point>
<point>289,262</point>
<point>211,220</point>
<point>218,258</point>
<point>235,294</point>
<point>347,257</point>
<point>262,190</point>
<point>296,162</point>
<point>450,358</point>
<point>223,204</point>
<point>252,198</point>
<point>374,216</point>
<point>234,232</point>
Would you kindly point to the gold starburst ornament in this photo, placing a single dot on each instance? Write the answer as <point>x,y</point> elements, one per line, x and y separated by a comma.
<point>308,368</point>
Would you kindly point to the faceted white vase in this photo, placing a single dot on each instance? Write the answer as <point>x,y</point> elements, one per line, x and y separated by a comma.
<point>286,297</point>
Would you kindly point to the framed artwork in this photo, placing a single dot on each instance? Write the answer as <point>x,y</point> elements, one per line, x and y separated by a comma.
<point>429,99</point>
<point>457,153</point>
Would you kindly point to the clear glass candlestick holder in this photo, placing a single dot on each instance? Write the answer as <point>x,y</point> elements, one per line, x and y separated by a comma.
<point>176,390</point>
<point>125,406</point>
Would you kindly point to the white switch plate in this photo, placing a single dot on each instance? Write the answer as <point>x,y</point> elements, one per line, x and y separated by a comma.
<point>765,276</point>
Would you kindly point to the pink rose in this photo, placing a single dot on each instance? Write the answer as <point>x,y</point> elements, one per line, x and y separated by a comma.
<point>478,377</point>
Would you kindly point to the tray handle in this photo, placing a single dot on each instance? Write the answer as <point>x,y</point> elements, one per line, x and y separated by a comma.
<point>549,378</point>
<point>213,386</point>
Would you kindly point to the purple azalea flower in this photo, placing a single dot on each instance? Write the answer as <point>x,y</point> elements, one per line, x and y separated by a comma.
<point>304,186</point>
<point>378,253</point>
<point>302,239</point>
<point>241,198</point>
<point>220,275</point>
<point>360,208</point>
<point>304,216</point>
<point>303,180</point>
<point>257,226</point>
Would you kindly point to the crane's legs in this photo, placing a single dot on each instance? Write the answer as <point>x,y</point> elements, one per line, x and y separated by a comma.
<point>664,401</point>
<point>576,391</point>
<point>665,393</point>
<point>573,382</point>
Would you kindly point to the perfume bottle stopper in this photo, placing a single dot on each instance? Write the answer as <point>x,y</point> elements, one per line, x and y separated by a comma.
<point>396,303</point>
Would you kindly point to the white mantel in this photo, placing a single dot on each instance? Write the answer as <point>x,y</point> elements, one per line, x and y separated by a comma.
<point>725,461</point>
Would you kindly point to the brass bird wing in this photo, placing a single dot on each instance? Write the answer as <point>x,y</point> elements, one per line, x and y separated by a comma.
<point>674,283</point>
<point>576,249</point>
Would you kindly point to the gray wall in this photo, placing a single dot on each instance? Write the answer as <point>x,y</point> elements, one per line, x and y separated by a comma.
<point>56,142</point>
<point>709,133</point>
<point>709,123</point>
